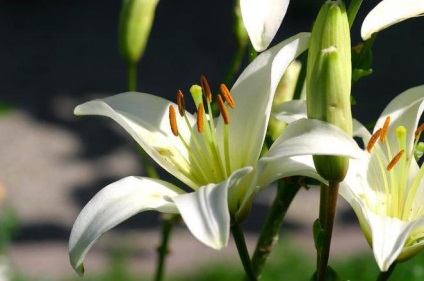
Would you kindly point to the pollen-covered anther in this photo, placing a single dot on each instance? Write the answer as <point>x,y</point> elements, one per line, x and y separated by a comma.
<point>374,138</point>
<point>395,160</point>
<point>223,110</point>
<point>384,130</point>
<point>200,118</point>
<point>227,96</point>
<point>206,89</point>
<point>181,103</point>
<point>173,120</point>
<point>419,130</point>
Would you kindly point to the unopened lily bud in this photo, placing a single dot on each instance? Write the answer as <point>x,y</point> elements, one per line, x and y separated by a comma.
<point>135,23</point>
<point>329,80</point>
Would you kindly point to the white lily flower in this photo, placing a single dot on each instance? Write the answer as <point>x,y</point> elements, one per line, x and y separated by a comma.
<point>221,164</point>
<point>262,20</point>
<point>385,185</point>
<point>390,12</point>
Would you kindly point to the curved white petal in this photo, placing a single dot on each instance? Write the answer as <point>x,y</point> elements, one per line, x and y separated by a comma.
<point>253,93</point>
<point>275,168</point>
<point>313,137</point>
<point>388,238</point>
<point>206,213</point>
<point>404,110</point>
<point>389,12</point>
<point>262,20</point>
<point>146,118</point>
<point>114,204</point>
<point>290,111</point>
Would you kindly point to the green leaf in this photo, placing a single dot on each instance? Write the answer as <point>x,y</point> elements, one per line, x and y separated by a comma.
<point>318,234</point>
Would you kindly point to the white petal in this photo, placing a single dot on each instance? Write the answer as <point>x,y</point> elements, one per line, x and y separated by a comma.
<point>146,118</point>
<point>253,93</point>
<point>114,204</point>
<point>404,110</point>
<point>389,12</point>
<point>313,137</point>
<point>206,213</point>
<point>262,20</point>
<point>290,111</point>
<point>388,238</point>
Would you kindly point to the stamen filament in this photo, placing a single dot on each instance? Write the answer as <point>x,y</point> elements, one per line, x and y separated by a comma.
<point>173,120</point>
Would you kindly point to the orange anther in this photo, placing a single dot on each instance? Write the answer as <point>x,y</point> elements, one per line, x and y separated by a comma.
<point>395,160</point>
<point>384,130</point>
<point>227,96</point>
<point>419,130</point>
<point>180,102</point>
<point>206,89</point>
<point>223,110</point>
<point>200,118</point>
<point>173,120</point>
<point>374,138</point>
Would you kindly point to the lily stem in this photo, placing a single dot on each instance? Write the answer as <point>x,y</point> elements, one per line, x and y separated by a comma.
<point>163,249</point>
<point>353,11</point>
<point>328,203</point>
<point>132,76</point>
<point>237,231</point>
<point>268,238</point>
<point>383,276</point>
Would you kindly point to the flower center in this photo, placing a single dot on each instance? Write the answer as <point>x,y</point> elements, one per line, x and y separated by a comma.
<point>209,158</point>
<point>393,174</point>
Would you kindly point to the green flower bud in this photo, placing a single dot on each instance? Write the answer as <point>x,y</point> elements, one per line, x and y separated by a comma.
<point>329,74</point>
<point>135,22</point>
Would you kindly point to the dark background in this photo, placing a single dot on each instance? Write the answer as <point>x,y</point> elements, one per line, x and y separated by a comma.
<point>59,48</point>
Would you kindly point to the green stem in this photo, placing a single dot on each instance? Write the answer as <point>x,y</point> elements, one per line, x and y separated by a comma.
<point>353,11</point>
<point>301,79</point>
<point>383,276</point>
<point>328,205</point>
<point>238,235</point>
<point>270,231</point>
<point>163,249</point>
<point>132,76</point>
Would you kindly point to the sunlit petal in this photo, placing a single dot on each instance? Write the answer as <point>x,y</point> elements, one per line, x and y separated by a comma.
<point>389,12</point>
<point>114,204</point>
<point>206,213</point>
<point>262,20</point>
<point>145,118</point>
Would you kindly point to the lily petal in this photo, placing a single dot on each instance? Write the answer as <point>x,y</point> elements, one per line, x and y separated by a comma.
<point>206,213</point>
<point>313,137</point>
<point>404,110</point>
<point>114,204</point>
<point>262,20</point>
<point>145,117</point>
<point>253,93</point>
<point>388,238</point>
<point>290,111</point>
<point>389,12</point>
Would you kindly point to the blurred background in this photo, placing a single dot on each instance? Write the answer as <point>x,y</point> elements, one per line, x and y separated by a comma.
<point>56,54</point>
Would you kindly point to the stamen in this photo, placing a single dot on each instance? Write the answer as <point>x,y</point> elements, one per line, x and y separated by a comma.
<point>181,103</point>
<point>384,130</point>
<point>374,138</point>
<point>200,117</point>
<point>419,130</point>
<point>395,160</point>
<point>206,89</point>
<point>223,110</point>
<point>173,120</point>
<point>227,96</point>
